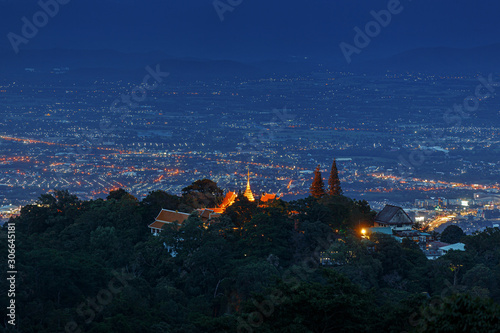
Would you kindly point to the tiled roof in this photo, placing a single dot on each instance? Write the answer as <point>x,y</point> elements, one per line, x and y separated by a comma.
<point>228,200</point>
<point>387,214</point>
<point>266,197</point>
<point>437,245</point>
<point>206,213</point>
<point>157,225</point>
<point>170,216</point>
<point>214,215</point>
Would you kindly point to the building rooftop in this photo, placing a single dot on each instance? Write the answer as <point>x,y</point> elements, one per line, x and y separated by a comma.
<point>393,215</point>
<point>456,247</point>
<point>170,216</point>
<point>381,230</point>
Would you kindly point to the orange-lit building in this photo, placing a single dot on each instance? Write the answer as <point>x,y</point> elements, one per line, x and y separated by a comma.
<point>248,191</point>
<point>230,198</point>
<point>167,217</point>
<point>170,217</point>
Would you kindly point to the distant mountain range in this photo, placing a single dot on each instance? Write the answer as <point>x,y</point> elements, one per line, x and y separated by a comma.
<point>438,60</point>
<point>88,64</point>
<point>109,63</point>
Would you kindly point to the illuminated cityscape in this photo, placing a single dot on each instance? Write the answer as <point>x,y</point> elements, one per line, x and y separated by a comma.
<point>77,142</point>
<point>232,166</point>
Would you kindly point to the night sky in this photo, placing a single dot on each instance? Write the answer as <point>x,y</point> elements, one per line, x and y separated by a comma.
<point>255,29</point>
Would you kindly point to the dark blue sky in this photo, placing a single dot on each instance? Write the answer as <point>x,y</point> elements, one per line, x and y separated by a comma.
<point>255,29</point>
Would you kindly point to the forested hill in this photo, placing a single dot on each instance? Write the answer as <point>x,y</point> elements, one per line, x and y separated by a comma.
<point>94,266</point>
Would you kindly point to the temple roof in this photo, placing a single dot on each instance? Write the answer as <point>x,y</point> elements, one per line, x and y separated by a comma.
<point>393,215</point>
<point>267,196</point>
<point>170,216</point>
<point>228,200</point>
<point>157,225</point>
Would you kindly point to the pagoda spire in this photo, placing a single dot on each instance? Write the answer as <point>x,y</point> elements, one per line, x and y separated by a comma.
<point>248,191</point>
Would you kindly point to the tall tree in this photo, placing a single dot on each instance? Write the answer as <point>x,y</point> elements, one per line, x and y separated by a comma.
<point>155,201</point>
<point>452,234</point>
<point>334,181</point>
<point>317,189</point>
<point>202,193</point>
<point>120,194</point>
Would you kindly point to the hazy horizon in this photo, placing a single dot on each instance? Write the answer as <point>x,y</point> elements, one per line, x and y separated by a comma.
<point>255,30</point>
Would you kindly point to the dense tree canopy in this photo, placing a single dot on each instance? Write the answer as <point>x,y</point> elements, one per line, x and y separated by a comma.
<point>120,194</point>
<point>203,193</point>
<point>452,234</point>
<point>460,313</point>
<point>285,267</point>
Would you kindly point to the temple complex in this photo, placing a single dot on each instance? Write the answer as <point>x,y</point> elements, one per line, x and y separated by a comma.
<point>169,217</point>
